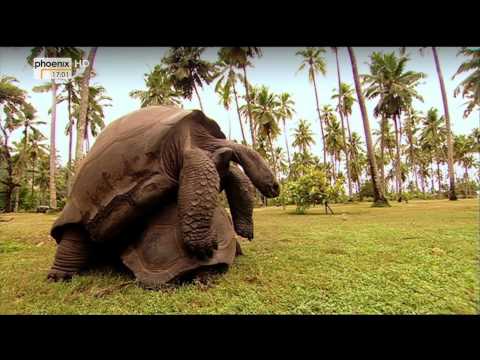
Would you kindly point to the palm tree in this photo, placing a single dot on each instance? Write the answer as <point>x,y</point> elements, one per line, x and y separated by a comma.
<point>303,137</point>
<point>475,139</point>
<point>225,100</point>
<point>240,57</point>
<point>159,90</point>
<point>464,147</point>
<point>187,70</point>
<point>63,52</point>
<point>227,79</point>
<point>451,175</point>
<point>94,121</point>
<point>13,102</point>
<point>334,141</point>
<point>378,197</point>
<point>266,113</point>
<point>328,117</point>
<point>312,60</point>
<point>244,109</point>
<point>83,108</point>
<point>423,160</point>
<point>286,110</point>
<point>432,137</point>
<point>358,158</point>
<point>395,88</point>
<point>345,107</point>
<point>69,93</point>
<point>282,165</point>
<point>411,128</point>
<point>36,150</point>
<point>470,87</point>
<point>340,111</point>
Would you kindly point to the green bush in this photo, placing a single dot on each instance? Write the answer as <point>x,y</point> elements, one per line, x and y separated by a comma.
<point>467,188</point>
<point>311,189</point>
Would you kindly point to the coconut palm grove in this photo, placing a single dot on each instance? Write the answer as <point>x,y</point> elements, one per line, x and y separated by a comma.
<point>378,209</point>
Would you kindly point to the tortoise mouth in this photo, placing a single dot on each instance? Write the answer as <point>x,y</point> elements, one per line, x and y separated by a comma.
<point>272,191</point>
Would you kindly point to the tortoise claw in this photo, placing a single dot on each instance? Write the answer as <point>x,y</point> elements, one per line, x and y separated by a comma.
<point>202,250</point>
<point>58,275</point>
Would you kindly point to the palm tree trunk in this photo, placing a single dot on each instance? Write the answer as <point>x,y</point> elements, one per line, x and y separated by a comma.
<point>70,140</point>
<point>397,160</point>
<point>466,180</point>
<point>333,168</point>
<point>273,155</point>
<point>198,96</point>
<point>415,174</point>
<point>378,197</point>
<point>87,141</point>
<point>451,174</point>
<point>286,144</point>
<point>249,106</point>
<point>382,151</point>
<point>320,120</point>
<point>82,119</point>
<point>431,177</point>
<point>229,127</point>
<point>238,113</point>
<point>439,178</point>
<point>26,135</point>
<point>17,199</point>
<point>8,199</point>
<point>53,152</point>
<point>70,137</point>
<point>33,177</point>
<point>343,127</point>
<point>422,182</point>
<point>353,156</point>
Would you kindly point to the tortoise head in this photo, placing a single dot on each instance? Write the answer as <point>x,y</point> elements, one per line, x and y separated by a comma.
<point>252,163</point>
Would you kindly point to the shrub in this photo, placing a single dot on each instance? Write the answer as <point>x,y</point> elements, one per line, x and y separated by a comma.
<point>310,189</point>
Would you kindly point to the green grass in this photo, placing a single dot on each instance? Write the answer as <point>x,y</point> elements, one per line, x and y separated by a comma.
<point>416,258</point>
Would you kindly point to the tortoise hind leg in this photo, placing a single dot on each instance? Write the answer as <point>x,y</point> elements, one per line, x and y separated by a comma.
<point>73,255</point>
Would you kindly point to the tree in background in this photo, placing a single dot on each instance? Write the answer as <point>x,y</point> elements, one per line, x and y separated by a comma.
<point>241,57</point>
<point>451,175</point>
<point>186,70</point>
<point>315,64</point>
<point>160,90</point>
<point>470,87</point>
<point>266,113</point>
<point>227,80</point>
<point>83,108</point>
<point>13,104</point>
<point>396,88</point>
<point>66,52</point>
<point>378,195</point>
<point>286,109</point>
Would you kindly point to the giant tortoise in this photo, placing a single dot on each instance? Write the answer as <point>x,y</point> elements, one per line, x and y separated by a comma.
<point>150,157</point>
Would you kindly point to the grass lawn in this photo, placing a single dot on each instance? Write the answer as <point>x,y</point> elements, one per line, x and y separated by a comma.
<point>415,258</point>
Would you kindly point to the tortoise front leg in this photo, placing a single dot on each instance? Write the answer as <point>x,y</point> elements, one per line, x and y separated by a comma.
<point>197,199</point>
<point>72,256</point>
<point>239,191</point>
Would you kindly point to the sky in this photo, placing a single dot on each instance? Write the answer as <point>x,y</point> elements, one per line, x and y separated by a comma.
<point>122,69</point>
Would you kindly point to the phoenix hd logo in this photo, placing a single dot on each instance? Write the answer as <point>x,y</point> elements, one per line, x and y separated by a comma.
<point>56,68</point>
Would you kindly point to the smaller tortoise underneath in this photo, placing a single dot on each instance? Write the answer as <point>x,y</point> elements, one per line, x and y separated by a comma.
<point>148,159</point>
<point>158,255</point>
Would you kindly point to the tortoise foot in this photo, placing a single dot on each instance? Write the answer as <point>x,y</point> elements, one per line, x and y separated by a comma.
<point>202,250</point>
<point>238,249</point>
<point>59,275</point>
